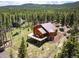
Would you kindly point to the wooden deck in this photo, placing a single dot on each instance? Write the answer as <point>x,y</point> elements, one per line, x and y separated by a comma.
<point>31,35</point>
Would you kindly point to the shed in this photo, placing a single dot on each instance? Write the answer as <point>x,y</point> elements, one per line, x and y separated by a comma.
<point>18,23</point>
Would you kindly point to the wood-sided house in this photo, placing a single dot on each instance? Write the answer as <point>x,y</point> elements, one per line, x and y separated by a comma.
<point>44,30</point>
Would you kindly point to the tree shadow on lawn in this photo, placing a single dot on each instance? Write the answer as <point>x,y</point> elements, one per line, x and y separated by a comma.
<point>36,42</point>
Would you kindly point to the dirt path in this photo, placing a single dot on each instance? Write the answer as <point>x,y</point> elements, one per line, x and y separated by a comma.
<point>4,54</point>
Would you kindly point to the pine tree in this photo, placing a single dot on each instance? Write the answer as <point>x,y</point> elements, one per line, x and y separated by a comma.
<point>22,50</point>
<point>11,55</point>
<point>70,49</point>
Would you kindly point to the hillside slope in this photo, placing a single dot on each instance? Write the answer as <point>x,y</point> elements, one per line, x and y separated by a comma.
<point>66,5</point>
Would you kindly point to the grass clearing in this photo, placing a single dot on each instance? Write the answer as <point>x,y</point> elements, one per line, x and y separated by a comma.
<point>48,49</point>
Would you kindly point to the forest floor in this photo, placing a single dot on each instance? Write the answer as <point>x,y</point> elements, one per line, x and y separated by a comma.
<point>48,49</point>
